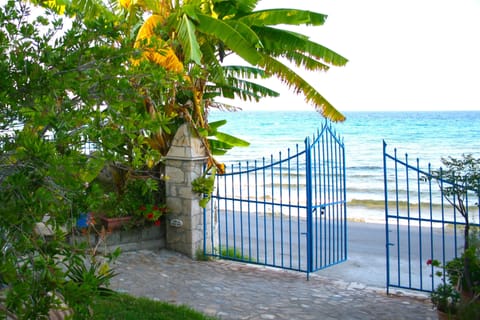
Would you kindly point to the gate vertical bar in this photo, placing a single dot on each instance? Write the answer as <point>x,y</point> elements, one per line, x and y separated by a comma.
<point>273,209</point>
<point>308,174</point>
<point>409,239</point>
<point>419,200</point>
<point>299,232</point>
<point>344,188</point>
<point>387,232</point>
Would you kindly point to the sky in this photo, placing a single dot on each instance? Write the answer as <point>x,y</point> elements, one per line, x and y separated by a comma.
<point>403,55</point>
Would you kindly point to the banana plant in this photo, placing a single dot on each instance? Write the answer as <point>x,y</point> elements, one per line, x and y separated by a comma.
<point>191,38</point>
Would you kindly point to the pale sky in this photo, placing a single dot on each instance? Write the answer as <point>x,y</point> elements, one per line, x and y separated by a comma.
<point>403,54</point>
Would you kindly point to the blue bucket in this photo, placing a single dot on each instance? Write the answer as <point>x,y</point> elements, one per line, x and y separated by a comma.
<point>82,221</point>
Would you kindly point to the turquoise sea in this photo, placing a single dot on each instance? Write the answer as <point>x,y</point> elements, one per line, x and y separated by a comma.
<point>428,136</point>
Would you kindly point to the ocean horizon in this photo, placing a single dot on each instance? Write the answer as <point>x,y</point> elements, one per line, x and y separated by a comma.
<point>425,135</point>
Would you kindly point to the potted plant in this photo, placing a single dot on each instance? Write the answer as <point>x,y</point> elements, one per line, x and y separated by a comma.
<point>109,206</point>
<point>136,203</point>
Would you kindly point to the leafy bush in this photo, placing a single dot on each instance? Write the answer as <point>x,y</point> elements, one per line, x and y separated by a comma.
<point>49,97</point>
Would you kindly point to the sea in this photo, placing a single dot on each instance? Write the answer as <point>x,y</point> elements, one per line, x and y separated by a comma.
<point>426,136</point>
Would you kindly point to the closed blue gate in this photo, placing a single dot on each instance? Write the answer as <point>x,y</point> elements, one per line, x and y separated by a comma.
<point>287,211</point>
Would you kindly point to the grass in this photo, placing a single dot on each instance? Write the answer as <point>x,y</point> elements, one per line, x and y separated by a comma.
<point>200,256</point>
<point>126,307</point>
<point>235,254</point>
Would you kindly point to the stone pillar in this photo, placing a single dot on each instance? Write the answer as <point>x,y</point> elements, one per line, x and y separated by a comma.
<point>184,163</point>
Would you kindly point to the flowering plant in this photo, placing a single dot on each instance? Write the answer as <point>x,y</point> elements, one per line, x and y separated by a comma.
<point>152,212</point>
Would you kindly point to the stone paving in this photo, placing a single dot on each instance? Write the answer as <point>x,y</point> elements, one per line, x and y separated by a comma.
<point>231,290</point>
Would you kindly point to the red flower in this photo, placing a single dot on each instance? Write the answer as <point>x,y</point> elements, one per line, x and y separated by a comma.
<point>157,223</point>
<point>429,262</point>
<point>150,216</point>
<point>155,207</point>
<point>143,208</point>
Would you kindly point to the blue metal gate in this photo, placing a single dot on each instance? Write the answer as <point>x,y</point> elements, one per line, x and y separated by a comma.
<point>287,211</point>
<point>420,224</point>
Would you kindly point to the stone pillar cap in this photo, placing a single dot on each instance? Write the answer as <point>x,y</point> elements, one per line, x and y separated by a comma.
<point>185,146</point>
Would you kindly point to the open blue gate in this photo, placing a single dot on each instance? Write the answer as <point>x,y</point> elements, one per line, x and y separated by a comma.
<point>421,224</point>
<point>287,211</point>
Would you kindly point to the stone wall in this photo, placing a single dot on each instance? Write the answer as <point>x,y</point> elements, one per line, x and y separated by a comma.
<point>183,227</point>
<point>149,238</point>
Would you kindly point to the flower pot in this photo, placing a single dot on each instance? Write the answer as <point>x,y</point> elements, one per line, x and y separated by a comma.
<point>115,223</point>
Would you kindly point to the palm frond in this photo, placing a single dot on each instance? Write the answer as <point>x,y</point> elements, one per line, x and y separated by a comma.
<point>222,106</point>
<point>246,5</point>
<point>245,72</point>
<point>283,16</point>
<point>214,125</point>
<point>278,42</point>
<point>220,142</point>
<point>216,72</point>
<point>188,40</point>
<point>231,140</point>
<point>299,85</point>
<point>306,62</point>
<point>246,32</point>
<point>244,89</point>
<point>218,148</point>
<point>238,6</point>
<point>232,39</point>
